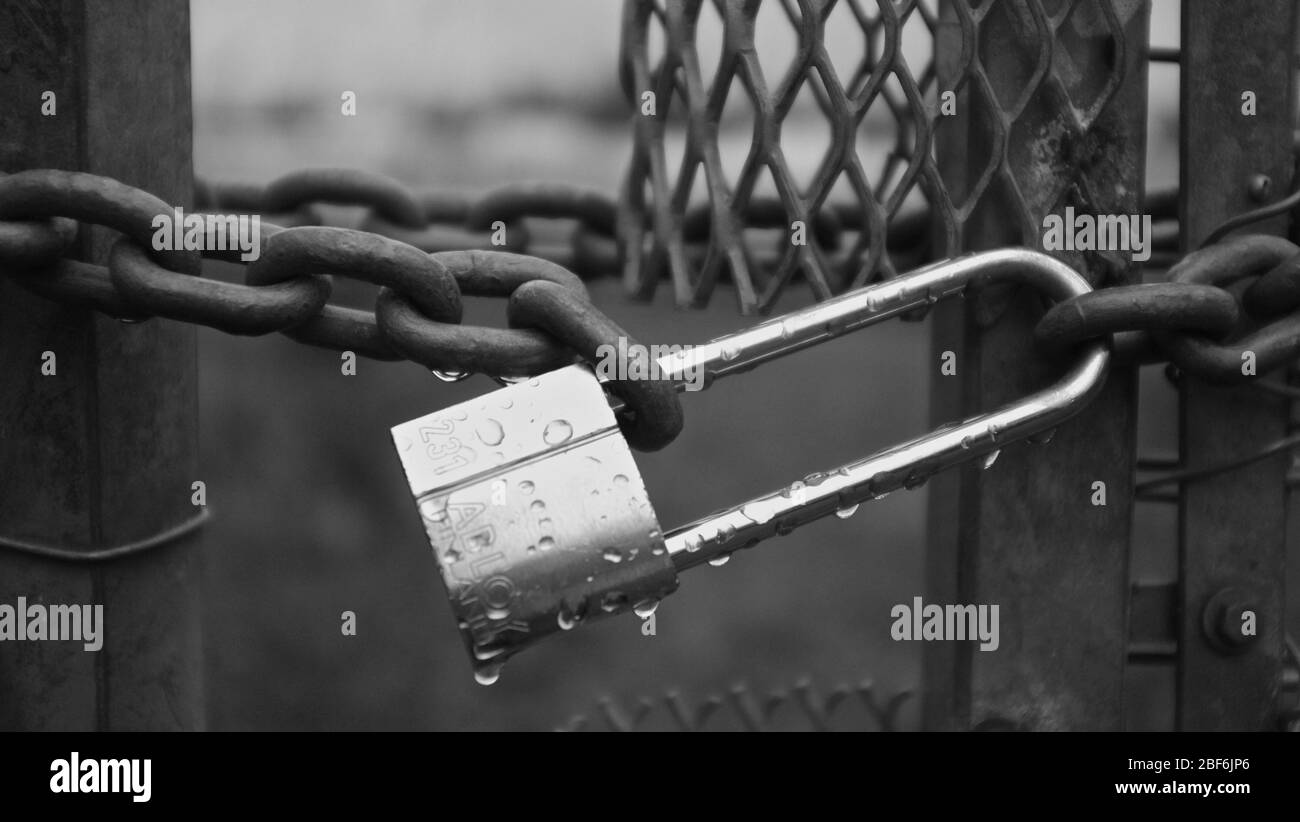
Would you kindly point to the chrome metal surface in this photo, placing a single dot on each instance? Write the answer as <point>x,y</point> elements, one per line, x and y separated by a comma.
<point>908,464</point>
<point>536,513</point>
<point>778,337</point>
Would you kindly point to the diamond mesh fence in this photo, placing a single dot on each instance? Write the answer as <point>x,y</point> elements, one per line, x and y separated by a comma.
<point>803,139</point>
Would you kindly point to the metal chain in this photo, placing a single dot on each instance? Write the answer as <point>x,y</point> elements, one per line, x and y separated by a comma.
<point>1185,319</point>
<point>434,221</point>
<point>288,286</point>
<point>427,250</point>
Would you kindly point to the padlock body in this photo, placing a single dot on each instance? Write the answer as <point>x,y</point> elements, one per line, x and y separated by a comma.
<point>535,510</point>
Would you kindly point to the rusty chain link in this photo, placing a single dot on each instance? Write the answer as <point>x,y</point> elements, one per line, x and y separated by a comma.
<point>287,287</point>
<point>435,221</point>
<point>1187,319</point>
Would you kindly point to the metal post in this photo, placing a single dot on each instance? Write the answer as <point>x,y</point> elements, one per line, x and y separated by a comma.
<point>103,452</point>
<point>1232,526</point>
<point>1064,125</point>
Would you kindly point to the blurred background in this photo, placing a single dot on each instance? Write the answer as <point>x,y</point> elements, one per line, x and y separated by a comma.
<point>313,516</point>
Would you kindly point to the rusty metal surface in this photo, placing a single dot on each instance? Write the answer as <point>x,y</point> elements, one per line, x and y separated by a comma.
<point>576,223</point>
<point>105,452</point>
<point>1231,526</point>
<point>1188,319</point>
<point>1052,107</point>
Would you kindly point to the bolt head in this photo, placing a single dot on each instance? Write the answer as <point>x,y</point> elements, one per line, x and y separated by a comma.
<point>1223,617</point>
<point>1230,622</point>
<point>1260,187</point>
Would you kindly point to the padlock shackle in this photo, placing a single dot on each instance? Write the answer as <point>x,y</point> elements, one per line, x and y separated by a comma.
<point>778,337</point>
<point>908,464</point>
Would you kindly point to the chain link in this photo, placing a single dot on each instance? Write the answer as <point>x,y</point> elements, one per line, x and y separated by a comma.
<point>1187,319</point>
<point>287,288</point>
<point>435,221</point>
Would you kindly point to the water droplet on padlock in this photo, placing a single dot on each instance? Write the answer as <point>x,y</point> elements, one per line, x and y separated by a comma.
<point>434,510</point>
<point>534,382</point>
<point>758,513</point>
<point>479,541</point>
<point>451,554</point>
<point>487,675</point>
<point>720,560</point>
<point>991,457</point>
<point>967,442</point>
<point>490,432</point>
<point>459,414</point>
<point>484,654</point>
<point>557,432</point>
<point>507,404</point>
<point>531,549</point>
<point>612,555</point>
<point>565,620</point>
<point>546,543</point>
<point>497,613</point>
<point>693,542</point>
<point>730,352</point>
<point>1043,437</point>
<point>449,376</point>
<point>815,478</point>
<point>538,506</point>
<point>612,601</point>
<point>620,480</point>
<point>847,511</point>
<point>526,487</point>
<point>544,523</point>
<point>994,430</point>
<point>796,489</point>
<point>645,607</point>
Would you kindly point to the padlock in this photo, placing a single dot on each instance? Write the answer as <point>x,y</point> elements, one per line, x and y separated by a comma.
<point>538,517</point>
